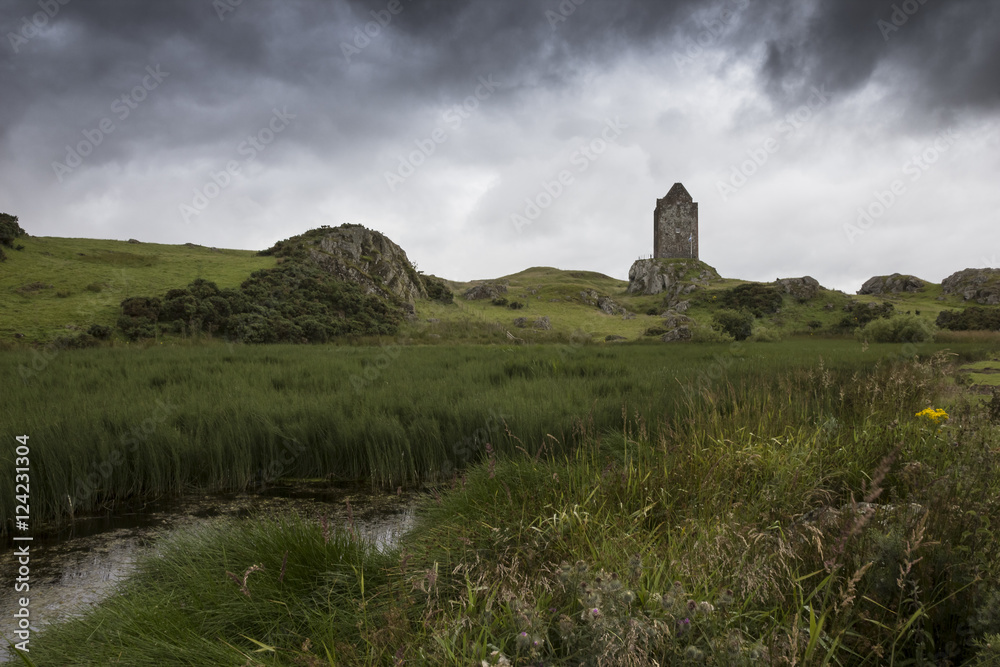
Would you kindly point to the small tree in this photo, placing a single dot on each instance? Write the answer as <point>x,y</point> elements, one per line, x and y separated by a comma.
<point>9,230</point>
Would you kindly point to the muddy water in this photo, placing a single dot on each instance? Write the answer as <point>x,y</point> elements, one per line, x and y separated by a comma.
<point>79,565</point>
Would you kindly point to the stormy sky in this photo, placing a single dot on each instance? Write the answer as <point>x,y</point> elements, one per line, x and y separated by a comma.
<point>835,139</point>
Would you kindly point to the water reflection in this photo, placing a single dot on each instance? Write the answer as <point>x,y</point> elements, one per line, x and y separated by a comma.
<point>78,565</point>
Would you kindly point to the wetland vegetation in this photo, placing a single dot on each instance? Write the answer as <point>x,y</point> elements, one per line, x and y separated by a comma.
<point>621,505</point>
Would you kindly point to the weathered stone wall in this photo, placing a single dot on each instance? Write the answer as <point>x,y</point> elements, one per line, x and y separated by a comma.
<point>675,225</point>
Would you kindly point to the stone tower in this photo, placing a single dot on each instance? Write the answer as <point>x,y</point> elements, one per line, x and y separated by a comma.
<point>675,225</point>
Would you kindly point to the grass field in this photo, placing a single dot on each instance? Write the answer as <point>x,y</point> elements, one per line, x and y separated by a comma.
<point>759,505</point>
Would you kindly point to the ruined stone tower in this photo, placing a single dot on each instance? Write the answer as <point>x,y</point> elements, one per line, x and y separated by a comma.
<point>675,225</point>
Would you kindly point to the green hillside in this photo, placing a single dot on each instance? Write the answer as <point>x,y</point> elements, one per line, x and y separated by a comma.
<point>558,295</point>
<point>55,285</point>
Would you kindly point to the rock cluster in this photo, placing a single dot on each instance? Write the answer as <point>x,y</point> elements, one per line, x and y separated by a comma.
<point>671,276</point>
<point>485,291</point>
<point>542,323</point>
<point>803,288</point>
<point>894,284</point>
<point>366,257</point>
<point>979,285</point>
<point>679,334</point>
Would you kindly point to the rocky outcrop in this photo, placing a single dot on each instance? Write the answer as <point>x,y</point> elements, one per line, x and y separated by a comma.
<point>675,277</point>
<point>542,323</point>
<point>894,284</point>
<point>485,291</point>
<point>803,288</point>
<point>979,285</point>
<point>673,320</point>
<point>356,254</point>
<point>608,306</point>
<point>677,335</point>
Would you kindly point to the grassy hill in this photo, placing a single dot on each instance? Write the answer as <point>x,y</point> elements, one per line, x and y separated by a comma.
<point>562,296</point>
<point>58,286</point>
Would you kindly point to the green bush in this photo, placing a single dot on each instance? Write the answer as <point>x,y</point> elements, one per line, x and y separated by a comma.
<point>707,334</point>
<point>736,323</point>
<point>500,301</point>
<point>762,334</point>
<point>899,329</point>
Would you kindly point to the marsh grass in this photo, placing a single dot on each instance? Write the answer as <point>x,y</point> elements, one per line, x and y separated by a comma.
<point>109,426</point>
<point>791,513</point>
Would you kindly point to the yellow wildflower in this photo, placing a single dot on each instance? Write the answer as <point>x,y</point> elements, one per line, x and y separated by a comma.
<point>934,415</point>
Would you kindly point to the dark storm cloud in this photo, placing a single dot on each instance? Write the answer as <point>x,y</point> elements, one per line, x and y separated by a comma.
<point>700,84</point>
<point>942,56</point>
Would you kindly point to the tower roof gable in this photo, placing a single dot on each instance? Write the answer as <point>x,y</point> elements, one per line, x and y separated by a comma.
<point>678,194</point>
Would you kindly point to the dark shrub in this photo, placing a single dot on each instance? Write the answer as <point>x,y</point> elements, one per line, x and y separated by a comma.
<point>312,329</point>
<point>182,307</point>
<point>736,323</point>
<point>9,230</point>
<point>437,290</point>
<point>515,305</point>
<point>203,289</point>
<point>859,314</point>
<point>500,301</point>
<point>760,300</point>
<point>142,306</point>
<point>269,307</point>
<point>250,328</point>
<point>214,313</point>
<point>970,319</point>
<point>134,328</point>
<point>100,332</point>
